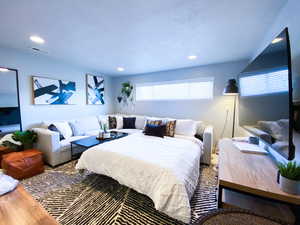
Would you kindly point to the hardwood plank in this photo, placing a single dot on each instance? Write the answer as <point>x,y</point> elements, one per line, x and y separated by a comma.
<point>252,173</point>
<point>19,208</point>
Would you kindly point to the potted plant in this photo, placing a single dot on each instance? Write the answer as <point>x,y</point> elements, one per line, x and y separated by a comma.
<point>126,93</point>
<point>26,138</point>
<point>289,177</point>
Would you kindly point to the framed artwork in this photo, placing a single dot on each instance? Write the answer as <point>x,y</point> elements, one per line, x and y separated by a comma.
<point>95,89</point>
<point>47,91</point>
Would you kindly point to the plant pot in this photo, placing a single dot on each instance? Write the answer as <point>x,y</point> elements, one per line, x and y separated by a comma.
<point>289,186</point>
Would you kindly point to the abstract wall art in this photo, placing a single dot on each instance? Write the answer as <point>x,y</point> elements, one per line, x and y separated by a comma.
<point>48,91</point>
<point>95,89</point>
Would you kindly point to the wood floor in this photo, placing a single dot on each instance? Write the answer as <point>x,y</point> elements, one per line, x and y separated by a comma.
<point>19,208</point>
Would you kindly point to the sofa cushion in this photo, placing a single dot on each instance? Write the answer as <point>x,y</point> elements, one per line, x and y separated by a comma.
<point>129,122</point>
<point>140,122</point>
<point>170,128</point>
<point>200,127</point>
<point>155,130</point>
<point>52,127</point>
<point>153,122</point>
<point>64,129</point>
<point>84,125</point>
<point>112,122</point>
<point>129,131</point>
<point>186,127</point>
<point>119,122</point>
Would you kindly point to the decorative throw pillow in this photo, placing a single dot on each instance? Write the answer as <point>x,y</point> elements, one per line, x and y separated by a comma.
<point>170,128</point>
<point>112,122</point>
<point>154,122</point>
<point>155,130</point>
<point>52,127</point>
<point>186,127</point>
<point>129,122</point>
<point>64,128</point>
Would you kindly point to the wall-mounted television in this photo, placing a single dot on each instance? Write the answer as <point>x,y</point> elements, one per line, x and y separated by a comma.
<point>265,100</point>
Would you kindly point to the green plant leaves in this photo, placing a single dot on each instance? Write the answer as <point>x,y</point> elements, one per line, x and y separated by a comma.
<point>290,170</point>
<point>27,138</point>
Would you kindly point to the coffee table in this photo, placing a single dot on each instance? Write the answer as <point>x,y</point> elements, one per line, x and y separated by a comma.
<point>88,142</point>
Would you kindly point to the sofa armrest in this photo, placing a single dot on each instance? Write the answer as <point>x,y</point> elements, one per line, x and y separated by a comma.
<point>48,142</point>
<point>208,136</point>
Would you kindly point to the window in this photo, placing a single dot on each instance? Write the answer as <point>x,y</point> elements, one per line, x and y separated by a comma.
<point>176,90</point>
<point>265,83</point>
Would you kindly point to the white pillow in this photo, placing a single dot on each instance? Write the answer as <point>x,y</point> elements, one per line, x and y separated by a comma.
<point>139,122</point>
<point>82,126</point>
<point>119,122</point>
<point>186,127</point>
<point>64,128</point>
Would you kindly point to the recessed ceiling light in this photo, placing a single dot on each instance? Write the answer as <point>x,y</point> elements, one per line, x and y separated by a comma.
<point>276,40</point>
<point>120,69</point>
<point>192,57</point>
<point>37,39</point>
<point>3,69</point>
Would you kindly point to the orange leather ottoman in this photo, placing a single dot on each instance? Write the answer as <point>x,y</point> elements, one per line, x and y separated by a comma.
<point>3,151</point>
<point>24,164</point>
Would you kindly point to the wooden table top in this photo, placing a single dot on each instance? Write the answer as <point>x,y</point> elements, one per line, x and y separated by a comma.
<point>252,173</point>
<point>19,208</point>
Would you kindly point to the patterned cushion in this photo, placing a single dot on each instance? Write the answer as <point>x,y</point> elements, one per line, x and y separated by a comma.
<point>112,122</point>
<point>155,130</point>
<point>170,128</point>
<point>152,122</point>
<point>129,122</point>
<point>52,127</point>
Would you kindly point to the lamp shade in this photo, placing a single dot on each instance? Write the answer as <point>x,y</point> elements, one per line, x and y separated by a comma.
<point>231,88</point>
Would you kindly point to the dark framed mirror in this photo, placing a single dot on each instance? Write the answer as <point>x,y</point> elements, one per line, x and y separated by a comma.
<point>10,114</point>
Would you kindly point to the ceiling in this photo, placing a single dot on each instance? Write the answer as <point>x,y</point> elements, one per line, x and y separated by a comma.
<point>141,36</point>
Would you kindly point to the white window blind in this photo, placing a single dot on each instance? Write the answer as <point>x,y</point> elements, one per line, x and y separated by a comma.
<point>266,83</point>
<point>176,90</point>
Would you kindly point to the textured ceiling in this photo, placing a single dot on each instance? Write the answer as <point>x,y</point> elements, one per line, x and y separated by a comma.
<point>141,36</point>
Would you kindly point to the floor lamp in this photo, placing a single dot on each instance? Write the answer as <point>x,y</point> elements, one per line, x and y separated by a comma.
<point>233,90</point>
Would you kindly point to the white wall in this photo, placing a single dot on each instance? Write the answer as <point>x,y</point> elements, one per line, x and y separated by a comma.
<point>40,65</point>
<point>211,111</point>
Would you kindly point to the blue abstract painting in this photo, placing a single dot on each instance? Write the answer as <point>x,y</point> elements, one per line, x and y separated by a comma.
<point>95,90</point>
<point>50,91</point>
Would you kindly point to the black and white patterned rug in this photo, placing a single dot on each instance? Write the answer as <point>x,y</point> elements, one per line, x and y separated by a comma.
<point>91,199</point>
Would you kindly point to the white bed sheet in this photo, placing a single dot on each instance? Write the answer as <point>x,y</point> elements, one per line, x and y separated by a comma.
<point>165,169</point>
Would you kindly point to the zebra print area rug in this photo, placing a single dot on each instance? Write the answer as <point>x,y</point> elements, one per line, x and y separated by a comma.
<point>90,199</point>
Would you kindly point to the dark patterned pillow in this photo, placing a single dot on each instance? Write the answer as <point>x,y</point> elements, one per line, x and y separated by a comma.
<point>112,122</point>
<point>155,130</point>
<point>129,122</point>
<point>52,127</point>
<point>170,128</point>
<point>152,122</point>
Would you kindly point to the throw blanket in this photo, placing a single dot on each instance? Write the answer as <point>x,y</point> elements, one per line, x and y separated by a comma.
<point>7,184</point>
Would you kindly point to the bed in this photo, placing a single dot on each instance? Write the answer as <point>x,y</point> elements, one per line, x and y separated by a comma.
<point>165,169</point>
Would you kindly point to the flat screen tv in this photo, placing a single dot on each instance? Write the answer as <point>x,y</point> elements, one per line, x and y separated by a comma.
<point>265,99</point>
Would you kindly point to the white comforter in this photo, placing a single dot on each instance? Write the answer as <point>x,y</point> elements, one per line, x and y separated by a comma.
<point>164,169</point>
